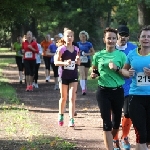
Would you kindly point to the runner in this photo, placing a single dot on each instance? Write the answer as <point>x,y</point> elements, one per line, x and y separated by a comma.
<point>67,56</point>
<point>124,46</point>
<point>29,49</point>
<point>52,50</point>
<point>38,62</point>
<point>45,44</point>
<point>86,50</point>
<point>137,66</point>
<point>110,95</point>
<point>17,47</point>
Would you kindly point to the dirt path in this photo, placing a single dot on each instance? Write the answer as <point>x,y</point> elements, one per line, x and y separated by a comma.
<point>43,102</point>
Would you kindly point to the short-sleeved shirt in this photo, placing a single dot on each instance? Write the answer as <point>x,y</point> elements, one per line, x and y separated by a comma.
<point>71,71</point>
<point>140,82</point>
<point>84,47</point>
<point>52,47</point>
<point>29,54</point>
<point>45,45</point>
<point>108,77</point>
<point>128,81</point>
<point>18,49</point>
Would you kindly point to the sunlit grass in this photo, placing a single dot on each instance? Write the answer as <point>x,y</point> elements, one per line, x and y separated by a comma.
<point>92,83</point>
<point>6,51</point>
<point>6,61</point>
<point>7,92</point>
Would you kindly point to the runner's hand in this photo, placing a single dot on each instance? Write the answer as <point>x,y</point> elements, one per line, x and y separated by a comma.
<point>83,53</point>
<point>93,75</point>
<point>112,66</point>
<point>77,58</point>
<point>131,72</point>
<point>68,62</point>
<point>29,46</point>
<point>146,71</point>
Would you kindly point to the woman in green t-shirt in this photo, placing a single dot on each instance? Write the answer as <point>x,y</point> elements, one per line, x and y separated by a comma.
<point>107,63</point>
<point>18,48</point>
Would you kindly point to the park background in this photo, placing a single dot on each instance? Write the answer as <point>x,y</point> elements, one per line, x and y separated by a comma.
<point>51,16</point>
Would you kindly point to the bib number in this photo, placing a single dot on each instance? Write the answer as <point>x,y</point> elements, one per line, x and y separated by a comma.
<point>28,55</point>
<point>142,79</point>
<point>83,59</point>
<point>71,66</point>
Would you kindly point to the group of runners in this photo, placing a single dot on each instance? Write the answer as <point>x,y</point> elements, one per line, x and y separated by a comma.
<point>123,72</point>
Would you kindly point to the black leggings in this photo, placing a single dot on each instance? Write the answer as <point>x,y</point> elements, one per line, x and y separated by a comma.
<point>139,109</point>
<point>55,69</point>
<point>36,72</point>
<point>126,107</point>
<point>110,101</point>
<point>29,67</point>
<point>47,62</point>
<point>19,63</point>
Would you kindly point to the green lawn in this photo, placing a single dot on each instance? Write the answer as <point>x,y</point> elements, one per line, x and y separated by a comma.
<point>17,122</point>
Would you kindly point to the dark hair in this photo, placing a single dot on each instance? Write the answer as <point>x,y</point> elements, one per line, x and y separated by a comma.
<point>108,29</point>
<point>145,28</point>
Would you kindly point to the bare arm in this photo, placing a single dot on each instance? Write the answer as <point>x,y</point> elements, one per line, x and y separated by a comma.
<point>58,61</point>
<point>91,52</point>
<point>127,71</point>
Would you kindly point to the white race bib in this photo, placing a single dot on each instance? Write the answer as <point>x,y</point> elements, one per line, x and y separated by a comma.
<point>84,59</point>
<point>28,54</point>
<point>142,79</point>
<point>71,66</point>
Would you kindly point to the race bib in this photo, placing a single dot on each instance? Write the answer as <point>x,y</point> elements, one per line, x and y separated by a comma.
<point>142,79</point>
<point>83,59</point>
<point>71,66</point>
<point>28,55</point>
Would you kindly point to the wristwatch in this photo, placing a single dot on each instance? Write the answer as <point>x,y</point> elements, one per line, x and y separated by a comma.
<point>118,68</point>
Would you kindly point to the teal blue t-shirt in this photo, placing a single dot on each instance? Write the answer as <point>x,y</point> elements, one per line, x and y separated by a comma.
<point>140,82</point>
<point>108,77</point>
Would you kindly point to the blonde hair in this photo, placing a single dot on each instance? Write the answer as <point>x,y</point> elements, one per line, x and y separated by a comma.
<point>62,41</point>
<point>68,31</point>
<point>85,33</point>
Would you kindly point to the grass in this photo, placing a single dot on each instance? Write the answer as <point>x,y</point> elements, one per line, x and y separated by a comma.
<point>7,92</point>
<point>19,126</point>
<point>6,51</point>
<point>92,83</point>
<point>19,123</point>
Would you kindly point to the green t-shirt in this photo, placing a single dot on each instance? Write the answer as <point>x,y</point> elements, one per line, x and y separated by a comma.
<point>108,77</point>
<point>18,47</point>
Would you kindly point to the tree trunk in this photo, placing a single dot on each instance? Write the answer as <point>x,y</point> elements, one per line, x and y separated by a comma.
<point>143,14</point>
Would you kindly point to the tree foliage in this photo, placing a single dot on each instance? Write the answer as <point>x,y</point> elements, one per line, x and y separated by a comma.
<point>51,16</point>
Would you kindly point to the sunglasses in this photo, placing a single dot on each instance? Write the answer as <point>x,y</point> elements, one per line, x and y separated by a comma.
<point>124,34</point>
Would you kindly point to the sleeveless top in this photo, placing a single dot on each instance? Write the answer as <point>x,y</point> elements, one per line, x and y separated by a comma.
<point>70,71</point>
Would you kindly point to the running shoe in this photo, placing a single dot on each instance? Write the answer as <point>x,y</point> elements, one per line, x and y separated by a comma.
<point>56,87</point>
<point>28,88</point>
<point>31,88</point>
<point>60,119</point>
<point>71,123</point>
<point>36,85</point>
<point>116,145</point>
<point>125,144</point>
<point>48,79</point>
<point>83,92</point>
